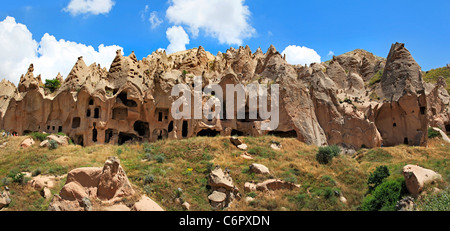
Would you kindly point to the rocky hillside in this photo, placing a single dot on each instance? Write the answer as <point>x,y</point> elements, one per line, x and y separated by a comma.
<point>355,100</point>
<point>204,174</point>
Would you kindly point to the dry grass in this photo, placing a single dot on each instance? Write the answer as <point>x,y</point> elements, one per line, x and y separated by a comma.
<point>187,163</point>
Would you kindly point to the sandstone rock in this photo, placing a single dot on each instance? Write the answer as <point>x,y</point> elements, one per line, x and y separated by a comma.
<point>186,206</point>
<point>259,169</point>
<point>236,141</point>
<point>243,147</point>
<point>40,182</point>
<point>249,187</point>
<point>5,200</point>
<point>417,177</point>
<point>44,144</point>
<point>73,192</point>
<point>117,208</point>
<point>249,199</point>
<point>146,204</point>
<point>218,179</point>
<point>60,140</point>
<point>113,182</point>
<point>217,197</point>
<point>276,146</point>
<point>86,177</point>
<point>27,143</point>
<point>443,135</point>
<point>224,191</point>
<point>46,193</point>
<point>58,204</point>
<point>246,156</point>
<point>343,199</point>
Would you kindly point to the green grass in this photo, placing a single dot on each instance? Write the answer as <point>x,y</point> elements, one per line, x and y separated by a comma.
<point>432,76</point>
<point>376,78</point>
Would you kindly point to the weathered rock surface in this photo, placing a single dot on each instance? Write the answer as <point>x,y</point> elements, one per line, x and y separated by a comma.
<point>417,177</point>
<point>108,184</point>
<point>5,199</point>
<point>322,104</point>
<point>270,185</point>
<point>28,142</point>
<point>223,189</point>
<point>405,204</point>
<point>259,169</point>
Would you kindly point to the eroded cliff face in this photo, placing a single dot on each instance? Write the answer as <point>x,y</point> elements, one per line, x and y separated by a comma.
<point>321,104</point>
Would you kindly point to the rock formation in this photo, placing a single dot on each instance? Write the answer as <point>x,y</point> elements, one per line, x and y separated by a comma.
<point>322,104</point>
<point>223,189</point>
<point>417,177</point>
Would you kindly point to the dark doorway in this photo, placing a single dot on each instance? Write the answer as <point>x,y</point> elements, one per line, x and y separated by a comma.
<point>123,96</point>
<point>406,141</point>
<point>91,102</point>
<point>160,116</point>
<point>208,133</point>
<point>142,128</point>
<point>447,127</point>
<point>94,135</point>
<point>88,113</point>
<point>76,122</point>
<point>60,129</point>
<point>108,135</point>
<point>170,128</point>
<point>236,133</point>
<point>79,140</point>
<point>185,129</point>
<point>288,134</point>
<point>423,110</point>
<point>126,137</point>
<point>97,113</point>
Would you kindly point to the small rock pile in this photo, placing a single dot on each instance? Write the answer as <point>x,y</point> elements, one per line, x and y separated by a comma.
<point>224,191</point>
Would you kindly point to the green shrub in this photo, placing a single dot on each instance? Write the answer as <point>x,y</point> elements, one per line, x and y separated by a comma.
<point>251,194</point>
<point>18,178</point>
<point>52,84</point>
<point>52,145</point>
<point>36,172</point>
<point>385,196</point>
<point>160,158</point>
<point>38,136</point>
<point>377,177</point>
<point>432,133</point>
<point>376,78</point>
<point>148,179</point>
<point>326,154</point>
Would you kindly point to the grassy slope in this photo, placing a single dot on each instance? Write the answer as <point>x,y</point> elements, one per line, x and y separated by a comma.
<point>187,161</point>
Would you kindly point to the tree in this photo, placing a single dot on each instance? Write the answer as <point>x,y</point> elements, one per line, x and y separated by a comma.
<point>377,177</point>
<point>52,84</point>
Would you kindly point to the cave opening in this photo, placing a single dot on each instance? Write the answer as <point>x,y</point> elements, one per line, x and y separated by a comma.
<point>447,128</point>
<point>88,113</point>
<point>60,129</point>
<point>185,129</point>
<point>123,96</point>
<point>236,133</point>
<point>79,140</point>
<point>108,135</point>
<point>97,113</point>
<point>76,122</point>
<point>126,137</point>
<point>423,110</point>
<point>94,134</point>
<point>208,133</point>
<point>91,102</point>
<point>142,128</point>
<point>170,128</point>
<point>281,134</point>
<point>406,141</point>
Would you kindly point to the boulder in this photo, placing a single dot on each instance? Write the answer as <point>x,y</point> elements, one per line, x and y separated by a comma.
<point>146,204</point>
<point>28,142</point>
<point>60,140</point>
<point>249,187</point>
<point>274,184</point>
<point>186,206</point>
<point>44,144</point>
<point>417,177</point>
<point>113,182</point>
<point>242,147</point>
<point>246,156</point>
<point>59,205</point>
<point>73,191</point>
<point>218,179</point>
<point>224,191</point>
<point>46,193</point>
<point>86,177</point>
<point>5,200</point>
<point>259,169</point>
<point>443,135</point>
<point>236,141</point>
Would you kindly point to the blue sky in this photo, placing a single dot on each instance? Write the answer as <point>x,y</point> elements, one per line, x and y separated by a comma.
<point>317,26</point>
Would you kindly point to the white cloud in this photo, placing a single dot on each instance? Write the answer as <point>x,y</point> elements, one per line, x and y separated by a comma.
<point>178,39</point>
<point>301,55</point>
<point>331,53</point>
<point>18,50</point>
<point>154,20</point>
<point>94,7</point>
<point>227,21</point>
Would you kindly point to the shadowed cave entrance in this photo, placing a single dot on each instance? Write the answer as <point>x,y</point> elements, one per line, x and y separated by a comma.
<point>127,137</point>
<point>208,133</point>
<point>288,134</point>
<point>123,96</point>
<point>142,128</point>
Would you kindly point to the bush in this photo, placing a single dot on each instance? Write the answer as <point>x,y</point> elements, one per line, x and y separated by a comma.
<point>432,133</point>
<point>385,196</point>
<point>36,172</point>
<point>52,145</point>
<point>160,158</point>
<point>52,84</point>
<point>376,78</point>
<point>377,177</point>
<point>148,179</point>
<point>38,136</point>
<point>326,154</point>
